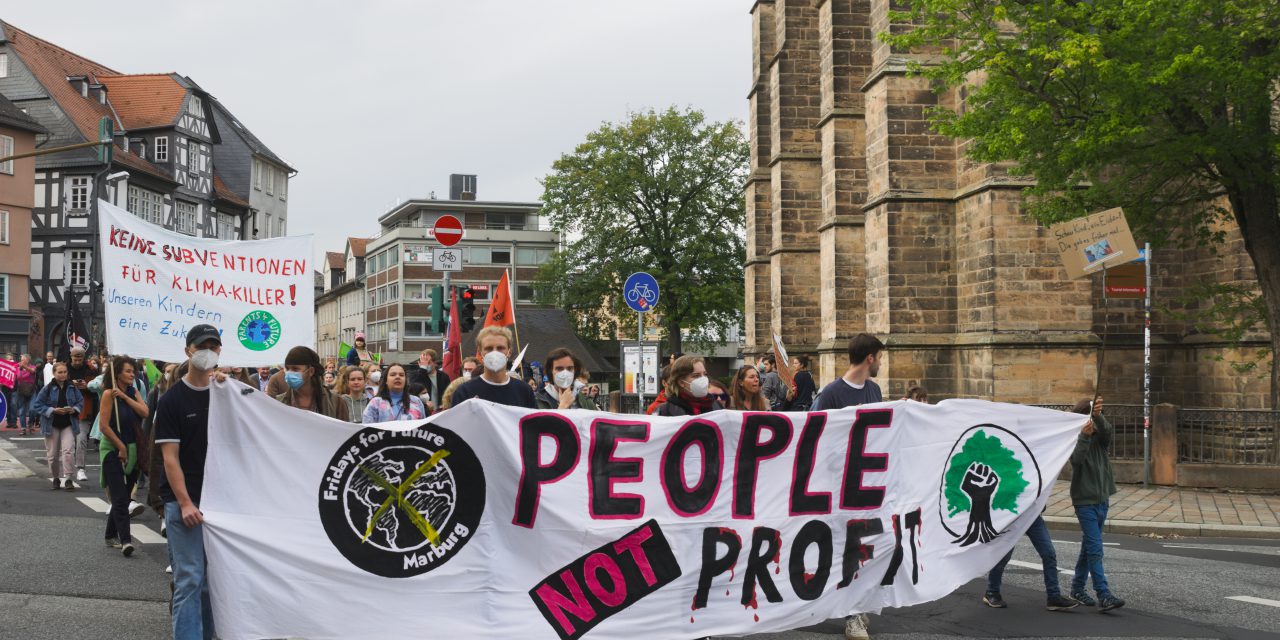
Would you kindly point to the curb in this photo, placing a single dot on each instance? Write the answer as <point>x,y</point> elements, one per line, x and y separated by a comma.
<point>1136,527</point>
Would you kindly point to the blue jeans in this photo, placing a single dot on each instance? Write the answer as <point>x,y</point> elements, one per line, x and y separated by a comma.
<point>1092,517</point>
<point>23,410</point>
<point>192,612</point>
<point>1039,535</point>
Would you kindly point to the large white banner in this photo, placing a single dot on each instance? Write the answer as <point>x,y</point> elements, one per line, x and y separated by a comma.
<point>157,284</point>
<point>491,522</point>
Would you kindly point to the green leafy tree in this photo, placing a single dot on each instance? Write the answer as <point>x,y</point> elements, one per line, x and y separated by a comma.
<point>1167,109</point>
<point>662,193</point>
<point>983,476</point>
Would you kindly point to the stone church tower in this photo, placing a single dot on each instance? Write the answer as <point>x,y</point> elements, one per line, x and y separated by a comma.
<point>860,218</point>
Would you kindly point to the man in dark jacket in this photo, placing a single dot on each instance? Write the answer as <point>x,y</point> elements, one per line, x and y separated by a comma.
<point>427,373</point>
<point>1092,485</point>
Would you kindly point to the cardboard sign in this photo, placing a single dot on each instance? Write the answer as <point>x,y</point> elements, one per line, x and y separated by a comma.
<point>1127,281</point>
<point>1091,243</point>
<point>783,361</point>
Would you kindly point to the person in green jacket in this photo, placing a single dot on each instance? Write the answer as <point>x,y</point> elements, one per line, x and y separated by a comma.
<point>1092,485</point>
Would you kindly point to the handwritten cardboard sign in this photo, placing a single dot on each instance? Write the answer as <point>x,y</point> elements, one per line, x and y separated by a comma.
<point>1089,244</point>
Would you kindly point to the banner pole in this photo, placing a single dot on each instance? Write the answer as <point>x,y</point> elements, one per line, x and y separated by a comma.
<point>640,373</point>
<point>1146,375</point>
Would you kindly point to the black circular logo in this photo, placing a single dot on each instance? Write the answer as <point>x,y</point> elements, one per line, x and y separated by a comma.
<point>401,503</point>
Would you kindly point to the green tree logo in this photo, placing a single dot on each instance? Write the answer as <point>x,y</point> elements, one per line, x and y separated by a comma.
<point>983,476</point>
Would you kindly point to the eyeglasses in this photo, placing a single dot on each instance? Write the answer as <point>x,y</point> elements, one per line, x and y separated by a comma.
<point>722,397</point>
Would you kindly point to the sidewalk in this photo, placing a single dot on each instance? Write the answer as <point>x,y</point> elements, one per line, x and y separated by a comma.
<point>1174,511</point>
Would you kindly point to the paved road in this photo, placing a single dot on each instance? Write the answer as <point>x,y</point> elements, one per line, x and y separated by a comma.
<point>58,582</point>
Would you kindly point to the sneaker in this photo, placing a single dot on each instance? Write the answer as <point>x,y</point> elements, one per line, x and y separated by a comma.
<point>113,543</point>
<point>127,549</point>
<point>57,483</point>
<point>168,569</point>
<point>855,627</point>
<point>164,529</point>
<point>135,509</point>
<point>69,485</point>
<point>1084,599</point>
<point>1062,603</point>
<point>81,476</point>
<point>993,600</point>
<point>1109,602</point>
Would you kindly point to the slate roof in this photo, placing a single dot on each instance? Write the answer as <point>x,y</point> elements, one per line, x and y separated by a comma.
<point>336,260</point>
<point>254,144</point>
<point>358,246</point>
<point>146,100</point>
<point>52,65</point>
<point>544,330</point>
<point>224,193</point>
<point>13,117</point>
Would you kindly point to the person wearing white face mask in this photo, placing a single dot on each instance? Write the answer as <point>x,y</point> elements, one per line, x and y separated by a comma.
<point>564,391</point>
<point>374,378</point>
<point>182,432</point>
<point>495,384</point>
<point>469,366</point>
<point>688,387</point>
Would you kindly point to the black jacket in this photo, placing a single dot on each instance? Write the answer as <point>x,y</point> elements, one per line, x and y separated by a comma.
<point>805,390</point>
<point>435,383</point>
<point>677,407</point>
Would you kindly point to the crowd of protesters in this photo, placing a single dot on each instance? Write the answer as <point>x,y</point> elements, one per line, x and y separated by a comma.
<point>149,421</point>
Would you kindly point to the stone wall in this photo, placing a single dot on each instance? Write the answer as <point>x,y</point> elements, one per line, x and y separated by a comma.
<point>856,203</point>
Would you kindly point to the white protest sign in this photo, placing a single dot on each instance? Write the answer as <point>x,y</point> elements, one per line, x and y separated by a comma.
<point>577,524</point>
<point>158,284</point>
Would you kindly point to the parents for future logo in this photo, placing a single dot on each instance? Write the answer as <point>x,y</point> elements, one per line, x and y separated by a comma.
<point>401,503</point>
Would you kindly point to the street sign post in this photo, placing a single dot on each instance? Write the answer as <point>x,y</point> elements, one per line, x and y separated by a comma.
<point>447,230</point>
<point>446,260</point>
<point>641,293</point>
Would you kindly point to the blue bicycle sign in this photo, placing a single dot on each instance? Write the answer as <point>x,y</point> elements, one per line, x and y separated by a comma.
<point>641,292</point>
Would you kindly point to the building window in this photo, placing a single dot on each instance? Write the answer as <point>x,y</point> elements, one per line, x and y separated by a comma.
<point>511,221</point>
<point>283,180</point>
<point>480,292</point>
<point>280,227</point>
<point>416,290</point>
<point>6,150</point>
<point>257,175</point>
<point>4,65</point>
<point>193,157</point>
<point>270,178</point>
<point>4,293</point>
<point>532,257</point>
<point>147,205</point>
<point>193,106</point>
<point>186,222</point>
<point>162,149</point>
<point>415,328</point>
<point>224,226</point>
<point>4,227</point>
<point>524,293</point>
<point>79,194</point>
<point>78,268</point>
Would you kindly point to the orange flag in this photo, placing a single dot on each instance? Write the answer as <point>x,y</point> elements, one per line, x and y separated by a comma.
<point>502,313</point>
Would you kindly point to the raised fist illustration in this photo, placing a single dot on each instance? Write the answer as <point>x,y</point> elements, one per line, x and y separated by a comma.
<point>980,483</point>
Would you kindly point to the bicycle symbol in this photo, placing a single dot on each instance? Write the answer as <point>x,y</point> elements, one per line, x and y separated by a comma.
<point>448,256</point>
<point>642,291</point>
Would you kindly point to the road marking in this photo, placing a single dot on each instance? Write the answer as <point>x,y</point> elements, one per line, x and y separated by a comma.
<point>26,439</point>
<point>1253,600</point>
<point>1036,566</point>
<point>1206,547</point>
<point>97,504</point>
<point>1108,544</point>
<point>144,534</point>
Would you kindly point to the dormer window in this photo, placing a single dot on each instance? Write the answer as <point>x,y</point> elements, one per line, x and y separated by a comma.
<point>162,149</point>
<point>193,106</point>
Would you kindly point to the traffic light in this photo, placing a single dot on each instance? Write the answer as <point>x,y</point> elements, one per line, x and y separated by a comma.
<point>438,321</point>
<point>466,310</point>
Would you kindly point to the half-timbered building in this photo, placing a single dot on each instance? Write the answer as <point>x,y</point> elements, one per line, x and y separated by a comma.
<point>164,165</point>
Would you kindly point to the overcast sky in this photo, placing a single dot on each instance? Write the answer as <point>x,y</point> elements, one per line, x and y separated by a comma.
<point>380,101</point>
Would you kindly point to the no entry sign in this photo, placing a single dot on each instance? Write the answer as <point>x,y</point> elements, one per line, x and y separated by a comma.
<point>448,230</point>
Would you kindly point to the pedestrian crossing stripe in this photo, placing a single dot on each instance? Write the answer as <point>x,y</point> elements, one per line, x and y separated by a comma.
<point>142,534</point>
<point>1253,600</point>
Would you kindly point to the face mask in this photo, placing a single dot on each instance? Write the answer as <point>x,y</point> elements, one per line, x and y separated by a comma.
<point>375,377</point>
<point>698,387</point>
<point>577,386</point>
<point>429,368</point>
<point>293,379</point>
<point>204,360</point>
<point>466,375</point>
<point>495,361</point>
<point>564,378</point>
